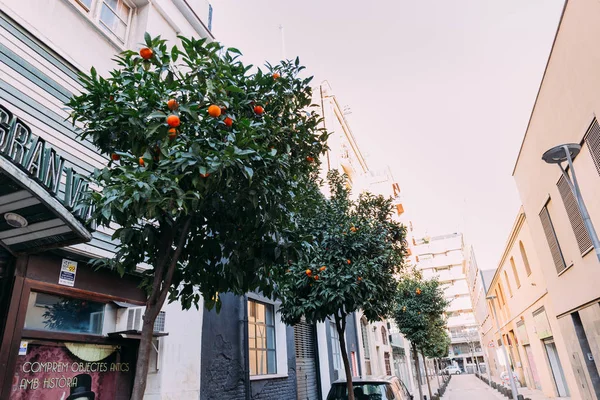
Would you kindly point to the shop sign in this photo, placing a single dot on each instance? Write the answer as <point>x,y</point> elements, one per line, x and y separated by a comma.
<point>41,162</point>
<point>68,270</point>
<point>69,371</point>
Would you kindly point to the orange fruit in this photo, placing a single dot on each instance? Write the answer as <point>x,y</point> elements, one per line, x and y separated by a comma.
<point>172,133</point>
<point>115,157</point>
<point>111,97</point>
<point>276,75</point>
<point>173,121</point>
<point>323,268</point>
<point>214,111</point>
<point>228,121</point>
<point>348,262</point>
<point>418,291</point>
<point>403,308</point>
<point>206,175</point>
<point>359,279</point>
<point>146,53</point>
<point>308,272</point>
<point>353,229</point>
<point>316,277</point>
<point>141,161</point>
<point>310,159</point>
<point>259,110</point>
<point>172,104</point>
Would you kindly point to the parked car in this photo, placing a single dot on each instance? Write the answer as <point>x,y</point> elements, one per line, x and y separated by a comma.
<point>452,370</point>
<point>371,388</point>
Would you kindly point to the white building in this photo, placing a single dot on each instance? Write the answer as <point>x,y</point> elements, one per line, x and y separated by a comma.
<point>43,45</point>
<point>443,257</point>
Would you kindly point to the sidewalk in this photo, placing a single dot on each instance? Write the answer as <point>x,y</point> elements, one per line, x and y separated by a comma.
<point>532,394</point>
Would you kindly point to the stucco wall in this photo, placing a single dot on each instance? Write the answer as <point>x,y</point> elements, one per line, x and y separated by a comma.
<point>224,365</point>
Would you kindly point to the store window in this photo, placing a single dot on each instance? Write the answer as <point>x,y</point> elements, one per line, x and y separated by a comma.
<point>113,16</point>
<point>62,314</point>
<point>336,351</point>
<point>261,337</point>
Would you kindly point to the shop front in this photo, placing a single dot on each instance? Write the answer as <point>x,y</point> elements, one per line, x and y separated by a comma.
<point>66,328</point>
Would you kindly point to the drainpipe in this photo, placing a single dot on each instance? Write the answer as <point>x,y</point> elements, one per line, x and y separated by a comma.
<point>245,351</point>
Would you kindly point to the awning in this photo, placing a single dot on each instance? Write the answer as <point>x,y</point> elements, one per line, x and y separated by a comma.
<point>133,334</point>
<point>49,224</point>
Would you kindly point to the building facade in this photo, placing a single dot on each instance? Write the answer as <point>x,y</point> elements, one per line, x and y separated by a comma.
<point>443,257</point>
<point>532,339</point>
<point>565,111</point>
<point>67,327</point>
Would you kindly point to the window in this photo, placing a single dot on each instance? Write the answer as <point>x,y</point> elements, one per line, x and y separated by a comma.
<point>365,339</point>
<point>557,256</point>
<point>261,338</point>
<point>388,364</point>
<point>501,293</point>
<point>498,299</point>
<point>525,259</point>
<point>336,352</point>
<point>384,338</point>
<point>581,235</point>
<point>113,16</point>
<point>515,273</point>
<point>592,139</point>
<point>63,314</point>
<point>508,284</point>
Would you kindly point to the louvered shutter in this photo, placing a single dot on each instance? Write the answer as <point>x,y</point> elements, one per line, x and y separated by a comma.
<point>306,364</point>
<point>557,256</point>
<point>592,139</point>
<point>583,239</point>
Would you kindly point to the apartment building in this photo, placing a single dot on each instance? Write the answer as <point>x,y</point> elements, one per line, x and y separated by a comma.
<point>532,338</point>
<point>443,257</point>
<point>565,111</point>
<point>45,245</point>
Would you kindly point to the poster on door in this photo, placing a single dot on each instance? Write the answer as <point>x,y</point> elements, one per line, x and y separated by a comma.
<point>73,371</point>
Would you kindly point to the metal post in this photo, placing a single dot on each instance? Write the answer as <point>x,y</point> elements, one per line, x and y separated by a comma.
<point>513,385</point>
<point>582,208</point>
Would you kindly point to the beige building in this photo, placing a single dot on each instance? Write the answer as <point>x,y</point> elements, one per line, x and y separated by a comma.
<point>565,111</point>
<point>533,339</point>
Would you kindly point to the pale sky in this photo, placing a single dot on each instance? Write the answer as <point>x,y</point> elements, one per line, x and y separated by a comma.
<point>440,90</point>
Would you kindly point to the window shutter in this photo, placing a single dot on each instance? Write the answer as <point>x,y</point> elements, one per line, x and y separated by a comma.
<point>592,139</point>
<point>557,256</point>
<point>583,239</point>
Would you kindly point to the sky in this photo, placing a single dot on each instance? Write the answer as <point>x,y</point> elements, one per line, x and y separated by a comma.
<point>440,91</point>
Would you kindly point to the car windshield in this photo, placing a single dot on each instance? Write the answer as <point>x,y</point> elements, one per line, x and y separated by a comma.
<point>362,391</point>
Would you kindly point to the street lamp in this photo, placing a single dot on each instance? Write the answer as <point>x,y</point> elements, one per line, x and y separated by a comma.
<point>513,385</point>
<point>567,152</point>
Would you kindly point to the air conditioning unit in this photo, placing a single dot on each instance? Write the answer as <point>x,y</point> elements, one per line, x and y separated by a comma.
<point>134,319</point>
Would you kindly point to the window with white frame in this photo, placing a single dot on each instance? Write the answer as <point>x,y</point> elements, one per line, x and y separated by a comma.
<point>336,351</point>
<point>261,338</point>
<point>113,16</point>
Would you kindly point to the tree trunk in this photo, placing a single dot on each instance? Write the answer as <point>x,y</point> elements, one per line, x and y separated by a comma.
<point>163,277</point>
<point>426,373</point>
<point>340,324</point>
<point>416,360</point>
<point>141,367</point>
<point>436,364</point>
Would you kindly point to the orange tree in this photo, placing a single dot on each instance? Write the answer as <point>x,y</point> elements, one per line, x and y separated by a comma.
<point>355,250</point>
<point>207,157</point>
<point>419,310</point>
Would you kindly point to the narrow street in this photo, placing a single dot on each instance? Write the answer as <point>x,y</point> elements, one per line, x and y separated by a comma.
<point>468,387</point>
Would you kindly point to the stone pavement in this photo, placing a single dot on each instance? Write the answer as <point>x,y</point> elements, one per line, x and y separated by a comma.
<point>468,387</point>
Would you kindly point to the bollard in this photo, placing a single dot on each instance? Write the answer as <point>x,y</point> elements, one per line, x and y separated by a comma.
<point>520,397</point>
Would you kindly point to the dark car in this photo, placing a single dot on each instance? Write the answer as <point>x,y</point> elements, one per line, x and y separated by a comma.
<point>371,388</point>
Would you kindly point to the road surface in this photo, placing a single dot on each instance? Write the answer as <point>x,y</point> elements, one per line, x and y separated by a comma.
<point>468,387</point>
